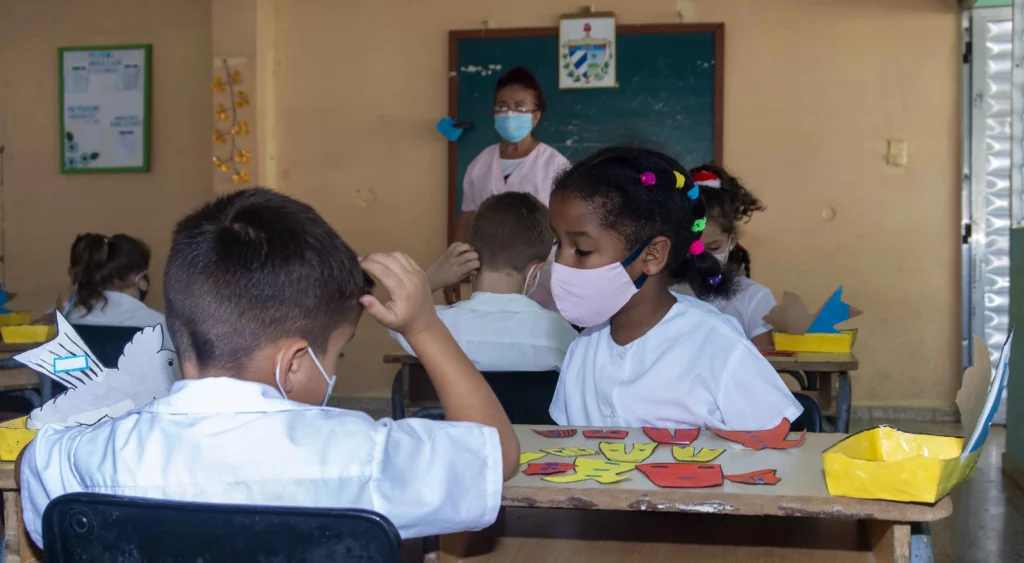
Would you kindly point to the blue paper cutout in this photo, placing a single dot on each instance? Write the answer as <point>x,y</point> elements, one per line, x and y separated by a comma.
<point>1001,375</point>
<point>447,128</point>
<point>832,313</point>
<point>3,300</point>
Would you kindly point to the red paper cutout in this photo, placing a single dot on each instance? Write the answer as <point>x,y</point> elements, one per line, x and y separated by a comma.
<point>548,468</point>
<point>683,436</point>
<point>610,434</point>
<point>560,433</point>
<point>682,475</point>
<point>774,438</point>
<point>760,477</point>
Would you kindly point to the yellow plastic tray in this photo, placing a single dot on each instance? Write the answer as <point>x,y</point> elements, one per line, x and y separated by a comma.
<point>841,343</point>
<point>888,464</point>
<point>28,334</point>
<point>15,318</point>
<point>14,437</point>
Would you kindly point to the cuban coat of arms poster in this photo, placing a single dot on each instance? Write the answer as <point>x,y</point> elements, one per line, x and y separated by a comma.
<point>587,52</point>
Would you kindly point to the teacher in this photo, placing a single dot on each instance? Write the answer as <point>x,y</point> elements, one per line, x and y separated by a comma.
<point>519,163</point>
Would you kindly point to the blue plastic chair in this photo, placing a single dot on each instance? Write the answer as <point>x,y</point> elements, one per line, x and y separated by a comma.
<point>90,527</point>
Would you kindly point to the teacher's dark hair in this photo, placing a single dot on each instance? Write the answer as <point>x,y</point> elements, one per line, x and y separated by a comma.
<point>521,76</point>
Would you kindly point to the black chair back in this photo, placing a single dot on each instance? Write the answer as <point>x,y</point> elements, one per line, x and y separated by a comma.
<point>809,420</point>
<point>106,342</point>
<point>525,395</point>
<point>83,527</point>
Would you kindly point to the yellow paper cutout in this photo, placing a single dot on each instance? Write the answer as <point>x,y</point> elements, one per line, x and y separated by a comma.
<point>241,178</point>
<point>218,136</point>
<point>604,472</point>
<point>680,180</point>
<point>236,77</point>
<point>570,451</point>
<point>690,454</point>
<point>218,84</point>
<point>242,100</point>
<point>617,452</point>
<point>527,457</point>
<point>243,156</point>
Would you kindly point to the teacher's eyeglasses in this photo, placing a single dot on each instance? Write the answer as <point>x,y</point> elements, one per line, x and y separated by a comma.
<point>503,109</point>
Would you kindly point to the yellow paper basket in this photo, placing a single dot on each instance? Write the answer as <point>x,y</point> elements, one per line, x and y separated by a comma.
<point>28,334</point>
<point>887,464</point>
<point>841,343</point>
<point>15,318</point>
<point>14,437</point>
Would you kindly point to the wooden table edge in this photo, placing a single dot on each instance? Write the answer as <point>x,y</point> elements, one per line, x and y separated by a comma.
<point>708,502</point>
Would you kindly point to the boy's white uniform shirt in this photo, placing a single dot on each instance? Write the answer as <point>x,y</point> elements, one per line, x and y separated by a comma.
<point>749,306</point>
<point>226,440</point>
<point>506,332</point>
<point>693,369</point>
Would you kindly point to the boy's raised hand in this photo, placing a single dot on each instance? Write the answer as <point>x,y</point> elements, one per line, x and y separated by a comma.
<point>459,261</point>
<point>409,309</point>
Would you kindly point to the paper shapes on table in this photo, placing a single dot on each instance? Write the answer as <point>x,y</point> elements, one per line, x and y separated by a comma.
<point>527,457</point>
<point>703,455</point>
<point>557,433</point>
<point>792,315</point>
<point>773,438</point>
<point>759,477</point>
<point>570,451</point>
<point>617,452</point>
<point>548,468</point>
<point>448,128</point>
<point>145,371</point>
<point>682,475</point>
<point>606,434</point>
<point>683,436</point>
<point>604,472</point>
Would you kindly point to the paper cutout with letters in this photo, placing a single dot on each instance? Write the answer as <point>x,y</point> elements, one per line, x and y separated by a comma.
<point>607,434</point>
<point>548,468</point>
<point>702,455</point>
<point>792,315</point>
<point>773,438</point>
<point>145,371</point>
<point>557,433</point>
<point>570,451</point>
<point>682,436</point>
<point>760,477</point>
<point>682,475</point>
<point>527,457</point>
<point>604,472</point>
<point>617,452</point>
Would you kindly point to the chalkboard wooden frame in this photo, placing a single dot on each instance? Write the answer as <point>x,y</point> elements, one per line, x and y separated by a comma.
<point>455,36</point>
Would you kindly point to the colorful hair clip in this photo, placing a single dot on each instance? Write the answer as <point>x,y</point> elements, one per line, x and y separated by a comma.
<point>715,280</point>
<point>707,179</point>
<point>699,225</point>
<point>693,193</point>
<point>680,180</point>
<point>648,179</point>
<point>697,248</point>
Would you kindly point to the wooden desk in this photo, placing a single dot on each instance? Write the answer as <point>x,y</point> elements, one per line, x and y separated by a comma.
<point>828,376</point>
<point>714,524</point>
<point>20,548</point>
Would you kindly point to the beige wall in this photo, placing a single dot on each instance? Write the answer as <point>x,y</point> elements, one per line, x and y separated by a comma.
<point>813,90</point>
<point>45,209</point>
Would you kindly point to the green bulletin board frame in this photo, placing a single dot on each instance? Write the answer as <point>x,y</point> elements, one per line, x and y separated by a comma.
<point>147,78</point>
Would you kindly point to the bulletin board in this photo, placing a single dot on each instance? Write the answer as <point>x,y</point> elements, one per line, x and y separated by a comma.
<point>669,96</point>
<point>104,108</point>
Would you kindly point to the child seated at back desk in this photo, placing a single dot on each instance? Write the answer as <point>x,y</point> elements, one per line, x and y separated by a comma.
<point>628,224</point>
<point>499,327</point>
<point>262,295</point>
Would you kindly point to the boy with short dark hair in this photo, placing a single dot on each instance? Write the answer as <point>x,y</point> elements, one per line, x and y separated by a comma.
<point>261,297</point>
<point>499,327</point>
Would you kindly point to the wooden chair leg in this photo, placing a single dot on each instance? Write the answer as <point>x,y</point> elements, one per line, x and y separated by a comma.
<point>890,541</point>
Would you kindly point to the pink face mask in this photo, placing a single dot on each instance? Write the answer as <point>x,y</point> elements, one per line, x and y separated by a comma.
<point>588,298</point>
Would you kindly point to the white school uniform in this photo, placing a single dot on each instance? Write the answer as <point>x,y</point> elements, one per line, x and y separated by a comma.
<point>226,440</point>
<point>534,174</point>
<point>693,369</point>
<point>120,310</point>
<point>505,332</point>
<point>749,306</point>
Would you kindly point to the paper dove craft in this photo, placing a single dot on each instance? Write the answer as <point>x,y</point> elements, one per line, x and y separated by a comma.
<point>797,330</point>
<point>145,371</point>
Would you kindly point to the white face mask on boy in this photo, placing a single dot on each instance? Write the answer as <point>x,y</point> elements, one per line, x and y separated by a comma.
<point>330,380</point>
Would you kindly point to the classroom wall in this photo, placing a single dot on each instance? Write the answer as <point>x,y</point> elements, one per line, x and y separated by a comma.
<point>1015,392</point>
<point>813,90</point>
<point>44,209</point>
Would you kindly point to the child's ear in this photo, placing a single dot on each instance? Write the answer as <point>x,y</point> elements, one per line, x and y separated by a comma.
<point>655,256</point>
<point>290,353</point>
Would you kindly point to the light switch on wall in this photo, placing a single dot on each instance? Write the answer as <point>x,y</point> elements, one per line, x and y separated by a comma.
<point>897,154</point>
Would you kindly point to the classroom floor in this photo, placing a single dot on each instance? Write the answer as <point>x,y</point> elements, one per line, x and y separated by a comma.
<point>987,525</point>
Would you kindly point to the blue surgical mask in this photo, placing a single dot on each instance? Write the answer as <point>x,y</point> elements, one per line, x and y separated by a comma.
<point>513,127</point>
<point>330,380</point>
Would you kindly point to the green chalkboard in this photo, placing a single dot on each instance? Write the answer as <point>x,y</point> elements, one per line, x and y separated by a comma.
<point>669,96</point>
